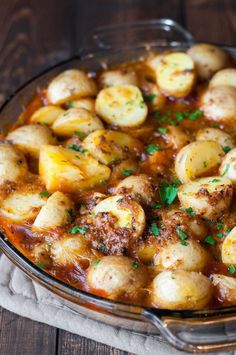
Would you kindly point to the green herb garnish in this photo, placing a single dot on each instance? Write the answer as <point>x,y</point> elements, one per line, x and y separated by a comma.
<point>210,240</point>
<point>150,98</point>
<point>96,262</point>
<point>70,212</point>
<point>70,104</point>
<point>77,148</point>
<point>151,148</point>
<point>194,115</point>
<point>79,134</point>
<point>231,269</point>
<point>155,206</point>
<point>41,265</point>
<point>181,234</point>
<point>44,194</point>
<point>135,264</point>
<point>226,169</point>
<point>127,172</point>
<point>226,149</point>
<point>79,229</point>
<point>103,248</point>
<point>155,229</point>
<point>189,211</point>
<point>162,130</point>
<point>219,225</point>
<point>168,194</point>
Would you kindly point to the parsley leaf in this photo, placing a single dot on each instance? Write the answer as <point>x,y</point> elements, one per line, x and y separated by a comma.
<point>226,149</point>
<point>77,148</point>
<point>189,211</point>
<point>226,169</point>
<point>150,98</point>
<point>96,262</point>
<point>168,194</point>
<point>210,240</point>
<point>152,148</point>
<point>231,269</point>
<point>127,172</point>
<point>219,225</point>
<point>70,104</point>
<point>194,115</point>
<point>77,229</point>
<point>79,134</point>
<point>103,248</point>
<point>181,234</point>
<point>162,130</point>
<point>155,205</point>
<point>155,229</point>
<point>44,194</point>
<point>135,264</point>
<point>41,265</point>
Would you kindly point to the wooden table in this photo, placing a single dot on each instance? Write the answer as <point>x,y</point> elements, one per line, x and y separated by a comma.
<point>35,34</point>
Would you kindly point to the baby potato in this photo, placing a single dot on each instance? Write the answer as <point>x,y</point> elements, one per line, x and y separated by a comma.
<point>228,251</point>
<point>175,74</point>
<point>108,146</point>
<point>121,105</point>
<point>225,77</point>
<point>181,289</point>
<point>154,60</point>
<point>197,159</point>
<point>153,96</point>
<point>208,59</point>
<point>228,166</point>
<point>76,119</point>
<point>146,251</point>
<point>46,115</point>
<point>69,85</point>
<point>189,257</point>
<point>23,205</point>
<point>118,77</point>
<point>125,167</point>
<point>13,166</point>
<point>70,171</point>
<point>226,287</point>
<point>86,103</point>
<point>30,138</point>
<point>116,275</point>
<point>41,253</point>
<point>217,135</point>
<point>219,103</point>
<point>70,250</point>
<point>176,137</point>
<point>139,187</point>
<point>54,213</point>
<point>128,212</point>
<point>209,197</point>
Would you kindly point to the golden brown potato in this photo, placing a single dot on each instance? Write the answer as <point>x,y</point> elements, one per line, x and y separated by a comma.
<point>208,59</point>
<point>153,96</point>
<point>225,77</point>
<point>176,137</point>
<point>139,187</point>
<point>219,103</point>
<point>176,74</point>
<point>181,289</point>
<point>226,287</point>
<point>228,251</point>
<point>124,168</point>
<point>76,120</point>
<point>86,103</point>
<point>29,139</point>
<point>69,85</point>
<point>217,135</point>
<point>13,166</point>
<point>228,166</point>
<point>197,159</point>
<point>116,275</point>
<point>118,77</point>
<point>121,105</point>
<point>46,115</point>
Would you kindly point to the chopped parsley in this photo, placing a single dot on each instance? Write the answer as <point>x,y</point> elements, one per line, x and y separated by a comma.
<point>127,172</point>
<point>220,235</point>
<point>79,134</point>
<point>210,240</point>
<point>176,182</point>
<point>231,269</point>
<point>219,225</point>
<point>189,211</point>
<point>174,123</point>
<point>103,248</point>
<point>96,262</point>
<point>79,229</point>
<point>155,206</point>
<point>162,130</point>
<point>151,263</point>
<point>135,264</point>
<point>70,104</point>
<point>194,115</point>
<point>41,265</point>
<point>150,98</point>
<point>184,243</point>
<point>44,194</point>
<point>226,149</point>
<point>226,169</point>
<point>168,194</point>
<point>77,148</point>
<point>155,229</point>
<point>215,180</point>
<point>151,148</point>
<point>181,234</point>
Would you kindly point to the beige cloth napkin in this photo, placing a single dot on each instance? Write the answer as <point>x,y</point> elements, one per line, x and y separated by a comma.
<point>19,294</point>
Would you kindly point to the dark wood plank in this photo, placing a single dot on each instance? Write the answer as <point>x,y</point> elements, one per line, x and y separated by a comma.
<point>21,336</point>
<point>213,21</point>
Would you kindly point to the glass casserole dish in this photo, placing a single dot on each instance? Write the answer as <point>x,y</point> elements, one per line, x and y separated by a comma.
<point>194,331</point>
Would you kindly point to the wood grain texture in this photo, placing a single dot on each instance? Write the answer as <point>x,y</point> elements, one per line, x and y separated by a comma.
<point>36,34</point>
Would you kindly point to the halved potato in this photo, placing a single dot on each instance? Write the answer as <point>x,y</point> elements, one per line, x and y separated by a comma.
<point>128,212</point>
<point>67,170</point>
<point>176,137</point>
<point>175,74</point>
<point>146,251</point>
<point>226,287</point>
<point>219,103</point>
<point>70,250</point>
<point>154,60</point>
<point>108,146</point>
<point>69,85</point>
<point>209,197</point>
<point>139,187</point>
<point>116,275</point>
<point>76,119</point>
<point>124,168</point>
<point>181,289</point>
<point>121,105</point>
<point>208,59</point>
<point>30,138</point>
<point>217,135</point>
<point>197,159</point>
<point>189,257</point>
<point>23,205</point>
<point>46,115</point>
<point>153,96</point>
<point>54,213</point>
<point>85,102</point>
<point>228,251</point>
<point>118,77</point>
<point>13,166</point>
<point>228,166</point>
<point>225,77</point>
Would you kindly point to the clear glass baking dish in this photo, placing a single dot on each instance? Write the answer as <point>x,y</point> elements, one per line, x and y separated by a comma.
<point>192,331</point>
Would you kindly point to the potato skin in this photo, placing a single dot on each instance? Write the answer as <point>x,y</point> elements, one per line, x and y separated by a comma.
<point>228,250</point>
<point>46,115</point>
<point>217,135</point>
<point>190,257</point>
<point>181,290</point>
<point>228,166</point>
<point>176,137</point>
<point>69,85</point>
<point>225,286</point>
<point>115,275</point>
<point>219,103</point>
<point>118,77</point>
<point>54,213</point>
<point>208,59</point>
<point>30,138</point>
<point>85,103</point>
<point>225,77</point>
<point>13,166</point>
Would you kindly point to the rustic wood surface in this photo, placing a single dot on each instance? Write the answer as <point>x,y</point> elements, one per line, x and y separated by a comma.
<point>35,34</point>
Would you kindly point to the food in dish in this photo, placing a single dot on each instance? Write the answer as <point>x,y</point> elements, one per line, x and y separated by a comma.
<point>122,182</point>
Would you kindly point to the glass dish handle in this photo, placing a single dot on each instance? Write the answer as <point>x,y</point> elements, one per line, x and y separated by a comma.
<point>207,334</point>
<point>162,33</point>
